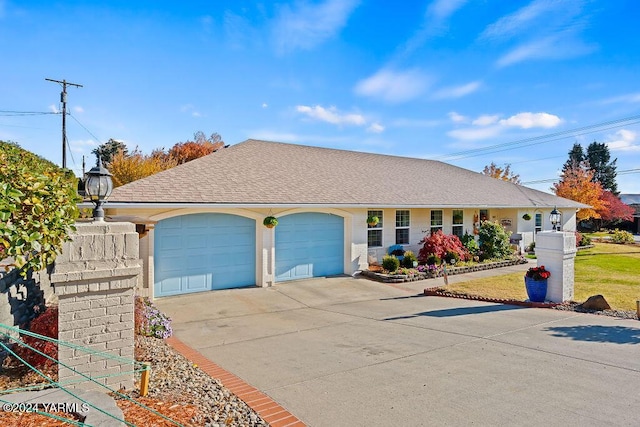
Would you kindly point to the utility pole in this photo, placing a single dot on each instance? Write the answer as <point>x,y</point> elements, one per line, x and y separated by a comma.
<point>63,100</point>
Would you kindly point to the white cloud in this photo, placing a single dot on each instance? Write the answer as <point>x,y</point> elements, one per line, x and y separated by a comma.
<point>472,134</point>
<point>78,109</point>
<point>443,9</point>
<point>331,115</point>
<point>630,98</point>
<point>488,126</point>
<point>530,120</point>
<point>375,128</point>
<point>82,146</point>
<point>457,118</point>
<point>517,21</point>
<point>434,22</point>
<point>486,120</point>
<point>543,29</point>
<point>457,91</point>
<point>190,109</point>
<point>393,86</point>
<point>54,108</point>
<point>306,25</point>
<point>265,105</point>
<point>623,140</point>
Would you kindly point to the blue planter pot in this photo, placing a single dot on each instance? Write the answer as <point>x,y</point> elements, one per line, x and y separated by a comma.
<point>536,289</point>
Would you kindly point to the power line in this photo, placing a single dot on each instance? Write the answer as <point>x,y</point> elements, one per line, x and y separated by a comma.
<point>9,113</point>
<point>83,127</point>
<point>63,99</point>
<point>542,181</point>
<point>542,139</point>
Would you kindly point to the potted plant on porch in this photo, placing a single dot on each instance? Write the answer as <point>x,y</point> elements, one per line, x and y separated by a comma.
<point>535,281</point>
<point>372,220</point>
<point>270,221</point>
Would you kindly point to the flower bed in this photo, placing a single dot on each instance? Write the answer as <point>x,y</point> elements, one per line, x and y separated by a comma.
<point>412,275</point>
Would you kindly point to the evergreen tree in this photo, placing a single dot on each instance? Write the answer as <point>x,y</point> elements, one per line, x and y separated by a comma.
<point>576,157</point>
<point>108,150</point>
<point>604,170</point>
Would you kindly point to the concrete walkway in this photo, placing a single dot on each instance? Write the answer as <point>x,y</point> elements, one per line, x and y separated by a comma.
<point>352,352</point>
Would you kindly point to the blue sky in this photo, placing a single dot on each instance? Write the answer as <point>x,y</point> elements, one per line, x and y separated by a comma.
<point>430,79</point>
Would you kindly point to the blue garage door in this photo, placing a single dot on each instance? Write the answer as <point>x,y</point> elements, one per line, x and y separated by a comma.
<point>309,245</point>
<point>201,252</point>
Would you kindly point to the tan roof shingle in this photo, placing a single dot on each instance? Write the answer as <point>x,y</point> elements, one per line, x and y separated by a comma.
<point>272,173</point>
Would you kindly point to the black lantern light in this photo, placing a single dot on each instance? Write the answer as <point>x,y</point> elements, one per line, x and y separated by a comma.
<point>555,217</point>
<point>98,186</point>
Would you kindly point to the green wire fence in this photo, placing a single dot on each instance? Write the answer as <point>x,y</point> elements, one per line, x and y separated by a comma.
<point>10,334</point>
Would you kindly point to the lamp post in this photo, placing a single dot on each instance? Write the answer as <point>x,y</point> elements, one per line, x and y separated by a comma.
<point>98,187</point>
<point>555,217</point>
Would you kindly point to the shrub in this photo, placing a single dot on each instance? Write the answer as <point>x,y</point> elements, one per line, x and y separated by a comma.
<point>409,259</point>
<point>582,240</point>
<point>37,207</point>
<point>45,324</point>
<point>469,242</point>
<point>451,257</point>
<point>439,244</point>
<point>433,260</point>
<point>531,247</point>
<point>621,237</point>
<point>149,321</point>
<point>390,263</point>
<point>494,241</point>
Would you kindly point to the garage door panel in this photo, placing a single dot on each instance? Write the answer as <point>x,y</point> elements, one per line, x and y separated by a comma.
<point>308,245</point>
<point>200,252</point>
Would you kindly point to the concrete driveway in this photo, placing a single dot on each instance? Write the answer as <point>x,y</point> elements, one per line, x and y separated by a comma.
<point>351,352</point>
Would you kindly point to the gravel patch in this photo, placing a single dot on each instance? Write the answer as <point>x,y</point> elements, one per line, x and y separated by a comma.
<point>176,379</point>
<point>575,306</point>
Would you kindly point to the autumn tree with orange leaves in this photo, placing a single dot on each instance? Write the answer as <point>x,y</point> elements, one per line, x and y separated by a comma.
<point>129,167</point>
<point>504,174</point>
<point>201,146</point>
<point>576,184</point>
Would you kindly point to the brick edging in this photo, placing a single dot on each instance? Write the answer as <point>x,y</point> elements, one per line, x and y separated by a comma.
<point>435,293</point>
<point>265,406</point>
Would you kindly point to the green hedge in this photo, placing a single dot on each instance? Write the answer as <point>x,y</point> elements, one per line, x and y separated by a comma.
<point>38,207</point>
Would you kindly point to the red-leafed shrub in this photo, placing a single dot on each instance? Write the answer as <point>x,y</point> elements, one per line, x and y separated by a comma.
<point>442,246</point>
<point>46,324</point>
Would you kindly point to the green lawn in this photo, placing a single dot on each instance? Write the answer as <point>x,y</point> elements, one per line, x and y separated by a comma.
<point>607,269</point>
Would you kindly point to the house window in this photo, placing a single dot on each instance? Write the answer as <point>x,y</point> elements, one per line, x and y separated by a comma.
<point>403,220</point>
<point>484,215</point>
<point>458,219</point>
<point>538,222</point>
<point>374,234</point>
<point>436,221</point>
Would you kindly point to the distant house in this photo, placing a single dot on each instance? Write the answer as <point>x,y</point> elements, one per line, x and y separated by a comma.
<point>633,200</point>
<point>208,213</point>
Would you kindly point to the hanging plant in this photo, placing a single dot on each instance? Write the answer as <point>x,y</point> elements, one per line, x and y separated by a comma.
<point>270,221</point>
<point>526,217</point>
<point>373,220</point>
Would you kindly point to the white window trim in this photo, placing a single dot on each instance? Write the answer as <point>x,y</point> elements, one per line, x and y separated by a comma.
<point>441,226</point>
<point>407,227</point>
<point>378,226</point>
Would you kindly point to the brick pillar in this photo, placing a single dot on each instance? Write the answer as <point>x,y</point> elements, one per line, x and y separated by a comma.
<point>556,250</point>
<point>94,279</point>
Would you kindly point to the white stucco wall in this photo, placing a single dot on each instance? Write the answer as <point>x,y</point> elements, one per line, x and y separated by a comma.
<point>356,252</point>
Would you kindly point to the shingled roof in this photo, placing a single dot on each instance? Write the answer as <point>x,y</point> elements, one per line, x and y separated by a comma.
<point>271,173</point>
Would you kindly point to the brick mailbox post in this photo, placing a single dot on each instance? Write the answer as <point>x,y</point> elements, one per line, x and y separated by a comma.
<point>94,279</point>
